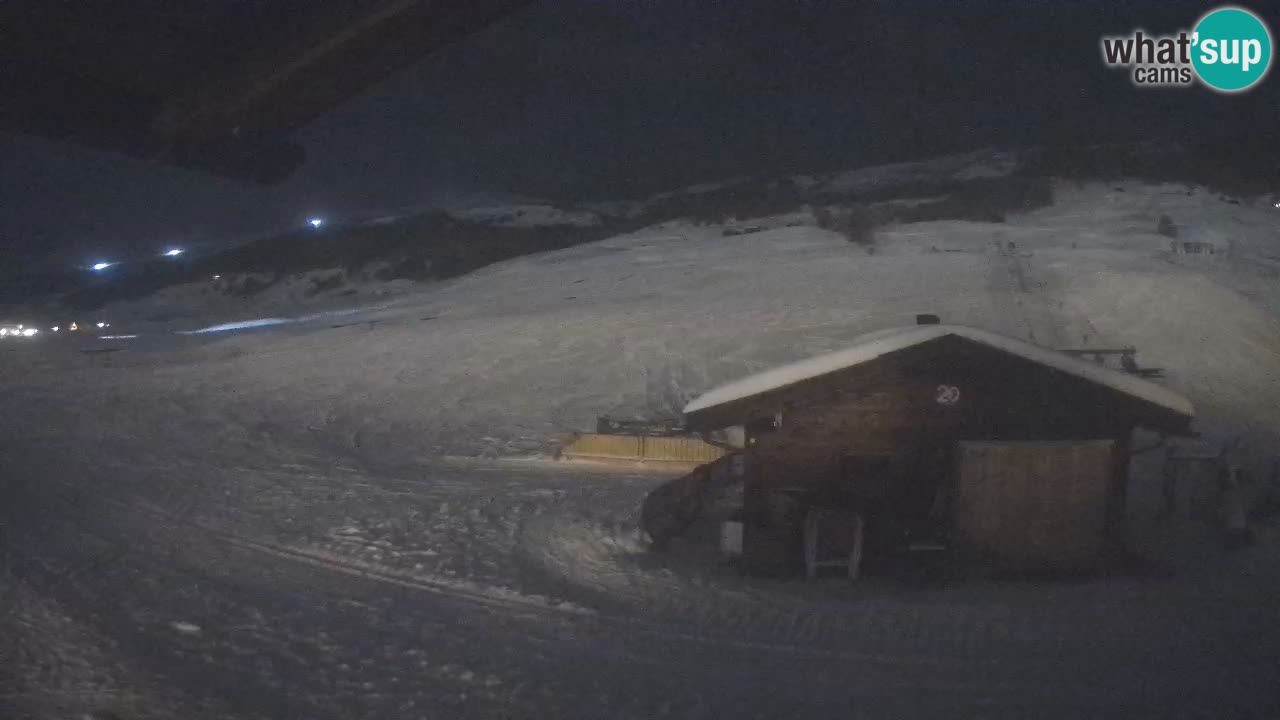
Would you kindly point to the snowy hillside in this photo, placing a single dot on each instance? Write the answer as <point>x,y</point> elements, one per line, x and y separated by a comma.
<point>237,297</point>
<point>534,347</point>
<point>319,458</point>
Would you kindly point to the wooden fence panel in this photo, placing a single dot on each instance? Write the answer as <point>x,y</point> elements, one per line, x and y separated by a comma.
<point>640,448</point>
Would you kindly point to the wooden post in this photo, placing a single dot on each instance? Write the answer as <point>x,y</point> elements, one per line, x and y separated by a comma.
<point>1119,495</point>
<point>1169,484</point>
<point>855,556</point>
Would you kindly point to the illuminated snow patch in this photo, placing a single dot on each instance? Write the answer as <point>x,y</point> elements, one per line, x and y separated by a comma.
<point>185,628</point>
<point>242,325</point>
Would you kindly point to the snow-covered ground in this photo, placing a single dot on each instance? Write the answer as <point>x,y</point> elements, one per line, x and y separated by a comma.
<point>359,464</point>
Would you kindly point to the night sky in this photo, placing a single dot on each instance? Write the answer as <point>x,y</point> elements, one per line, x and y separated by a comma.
<point>585,100</point>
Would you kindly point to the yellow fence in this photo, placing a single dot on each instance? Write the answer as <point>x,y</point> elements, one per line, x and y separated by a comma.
<point>639,448</point>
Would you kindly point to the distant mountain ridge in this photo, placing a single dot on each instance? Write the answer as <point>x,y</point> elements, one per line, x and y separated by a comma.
<point>984,185</point>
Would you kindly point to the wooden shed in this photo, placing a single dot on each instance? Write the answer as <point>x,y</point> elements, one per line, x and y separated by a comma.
<point>1017,454</point>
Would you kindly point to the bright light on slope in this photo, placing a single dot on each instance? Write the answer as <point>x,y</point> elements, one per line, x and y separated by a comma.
<point>28,332</point>
<point>315,222</point>
<point>264,322</point>
<point>102,266</point>
<point>173,252</point>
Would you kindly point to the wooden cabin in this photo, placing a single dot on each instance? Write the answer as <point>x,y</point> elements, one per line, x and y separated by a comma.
<point>1016,454</point>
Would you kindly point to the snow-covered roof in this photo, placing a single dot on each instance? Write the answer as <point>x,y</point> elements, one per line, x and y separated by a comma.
<point>877,344</point>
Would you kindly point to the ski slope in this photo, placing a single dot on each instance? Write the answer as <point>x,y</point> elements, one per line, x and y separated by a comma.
<point>355,517</point>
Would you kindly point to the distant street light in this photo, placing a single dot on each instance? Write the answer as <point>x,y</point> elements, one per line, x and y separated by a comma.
<point>173,252</point>
<point>315,222</point>
<point>100,266</point>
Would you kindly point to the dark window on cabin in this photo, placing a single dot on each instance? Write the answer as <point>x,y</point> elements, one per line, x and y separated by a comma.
<point>761,425</point>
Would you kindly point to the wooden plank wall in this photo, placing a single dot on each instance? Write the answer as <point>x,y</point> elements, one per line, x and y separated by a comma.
<point>1035,506</point>
<point>1001,396</point>
<point>890,407</point>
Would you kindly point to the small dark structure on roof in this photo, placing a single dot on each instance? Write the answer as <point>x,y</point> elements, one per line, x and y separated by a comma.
<point>1016,453</point>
